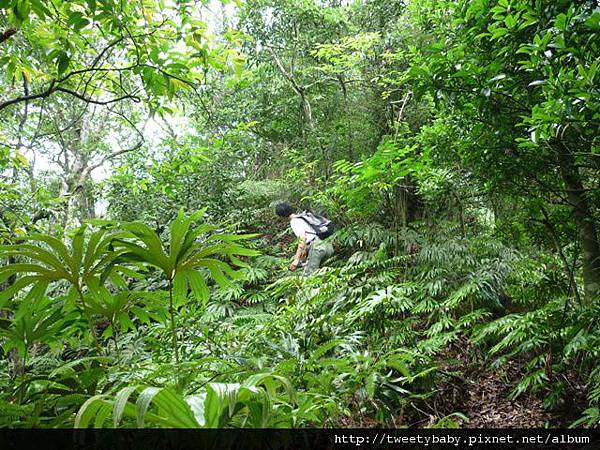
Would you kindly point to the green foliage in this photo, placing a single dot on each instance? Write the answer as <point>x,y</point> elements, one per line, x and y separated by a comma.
<point>366,184</point>
<point>184,255</point>
<point>84,266</point>
<point>58,46</point>
<point>41,321</point>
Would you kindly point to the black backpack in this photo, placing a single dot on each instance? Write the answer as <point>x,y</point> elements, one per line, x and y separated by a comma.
<point>322,226</point>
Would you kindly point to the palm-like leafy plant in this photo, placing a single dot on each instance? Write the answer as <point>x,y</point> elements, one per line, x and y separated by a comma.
<point>83,264</point>
<point>119,308</point>
<point>182,259</point>
<point>41,321</point>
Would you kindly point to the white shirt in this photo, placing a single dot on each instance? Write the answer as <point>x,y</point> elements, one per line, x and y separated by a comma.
<point>301,229</point>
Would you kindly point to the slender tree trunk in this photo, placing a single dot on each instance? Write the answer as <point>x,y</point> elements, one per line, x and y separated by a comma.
<point>86,208</point>
<point>588,234</point>
<point>568,271</point>
<point>461,215</point>
<point>174,333</point>
<point>349,139</point>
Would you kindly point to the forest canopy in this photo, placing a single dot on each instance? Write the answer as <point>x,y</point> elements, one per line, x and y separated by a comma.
<point>145,277</point>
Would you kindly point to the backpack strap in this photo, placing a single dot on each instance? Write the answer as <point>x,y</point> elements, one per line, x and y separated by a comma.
<point>312,227</point>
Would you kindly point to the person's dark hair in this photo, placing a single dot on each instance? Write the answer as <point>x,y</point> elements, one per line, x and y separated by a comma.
<point>284,210</point>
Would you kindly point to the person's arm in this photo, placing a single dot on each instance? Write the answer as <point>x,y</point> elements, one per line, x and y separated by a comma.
<point>299,253</point>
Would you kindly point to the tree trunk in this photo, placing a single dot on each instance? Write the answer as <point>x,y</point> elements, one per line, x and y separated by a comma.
<point>588,235</point>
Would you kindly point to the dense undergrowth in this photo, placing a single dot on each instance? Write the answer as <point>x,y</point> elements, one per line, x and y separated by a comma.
<point>372,339</point>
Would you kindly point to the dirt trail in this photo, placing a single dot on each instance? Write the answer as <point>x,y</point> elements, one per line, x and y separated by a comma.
<point>483,395</point>
<point>488,403</point>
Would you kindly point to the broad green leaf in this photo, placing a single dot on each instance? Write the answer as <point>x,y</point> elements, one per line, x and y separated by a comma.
<point>102,415</point>
<point>180,287</point>
<point>179,228</point>
<point>120,402</point>
<point>62,62</point>
<point>92,247</point>
<point>21,283</point>
<point>198,286</point>
<point>88,410</point>
<point>37,291</point>
<point>77,246</point>
<point>60,248</point>
<point>177,410</point>
<point>143,402</point>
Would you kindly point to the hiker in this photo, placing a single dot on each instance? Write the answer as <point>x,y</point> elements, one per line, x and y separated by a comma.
<point>311,230</point>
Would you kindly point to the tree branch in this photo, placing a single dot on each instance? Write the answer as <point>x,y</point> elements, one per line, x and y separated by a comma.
<point>299,90</point>
<point>54,88</point>
<point>93,68</point>
<point>5,35</point>
<point>85,173</point>
<point>98,102</point>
